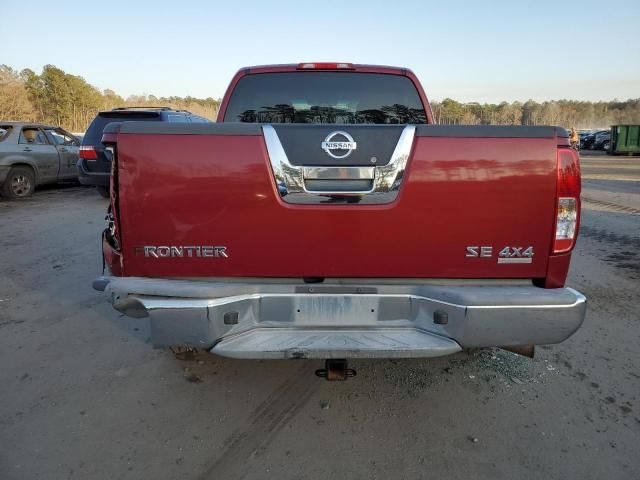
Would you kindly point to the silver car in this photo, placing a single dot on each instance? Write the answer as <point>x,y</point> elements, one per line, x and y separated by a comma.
<point>33,154</point>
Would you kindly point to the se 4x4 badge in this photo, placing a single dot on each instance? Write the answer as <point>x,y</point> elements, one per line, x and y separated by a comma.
<point>506,255</point>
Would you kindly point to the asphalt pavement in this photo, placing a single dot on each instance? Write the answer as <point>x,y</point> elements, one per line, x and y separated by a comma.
<point>84,396</point>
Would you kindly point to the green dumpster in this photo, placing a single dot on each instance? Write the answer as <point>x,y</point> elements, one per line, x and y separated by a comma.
<point>625,140</point>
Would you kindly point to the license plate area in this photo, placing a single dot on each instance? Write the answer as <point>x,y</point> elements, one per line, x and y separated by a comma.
<point>337,310</point>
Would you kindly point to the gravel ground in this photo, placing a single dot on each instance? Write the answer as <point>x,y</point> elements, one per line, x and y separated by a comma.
<point>83,395</point>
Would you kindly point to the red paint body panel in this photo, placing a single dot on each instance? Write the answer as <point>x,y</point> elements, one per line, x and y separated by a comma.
<point>557,270</point>
<point>219,190</point>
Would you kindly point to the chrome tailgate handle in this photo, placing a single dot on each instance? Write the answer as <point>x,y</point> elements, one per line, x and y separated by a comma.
<point>338,173</point>
<point>363,185</point>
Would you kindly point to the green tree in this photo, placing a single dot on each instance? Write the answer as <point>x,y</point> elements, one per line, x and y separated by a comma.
<point>60,98</point>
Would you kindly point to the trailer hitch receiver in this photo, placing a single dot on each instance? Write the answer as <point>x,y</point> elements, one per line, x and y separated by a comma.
<point>335,370</point>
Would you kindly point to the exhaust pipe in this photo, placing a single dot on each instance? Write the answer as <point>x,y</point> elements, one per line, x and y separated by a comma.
<point>524,350</point>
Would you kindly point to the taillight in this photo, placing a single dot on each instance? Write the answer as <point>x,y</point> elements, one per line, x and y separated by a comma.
<point>325,66</point>
<point>567,200</point>
<point>88,153</point>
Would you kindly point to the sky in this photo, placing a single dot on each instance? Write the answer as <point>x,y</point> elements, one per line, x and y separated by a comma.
<point>484,51</point>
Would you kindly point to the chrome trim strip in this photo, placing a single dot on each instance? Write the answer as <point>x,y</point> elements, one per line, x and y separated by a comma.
<point>515,260</point>
<point>389,176</point>
<point>290,179</point>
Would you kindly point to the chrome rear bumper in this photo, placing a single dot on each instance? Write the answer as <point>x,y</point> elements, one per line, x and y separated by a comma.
<point>345,320</point>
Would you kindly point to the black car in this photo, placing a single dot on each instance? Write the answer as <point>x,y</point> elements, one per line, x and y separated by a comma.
<point>582,135</point>
<point>94,167</point>
<point>594,140</point>
<point>602,140</point>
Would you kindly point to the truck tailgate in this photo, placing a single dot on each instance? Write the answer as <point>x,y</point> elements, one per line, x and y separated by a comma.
<point>214,186</point>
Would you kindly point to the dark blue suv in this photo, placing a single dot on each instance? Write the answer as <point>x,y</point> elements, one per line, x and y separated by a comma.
<point>94,167</point>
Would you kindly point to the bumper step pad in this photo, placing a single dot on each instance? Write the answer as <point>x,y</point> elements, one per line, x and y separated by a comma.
<point>274,343</point>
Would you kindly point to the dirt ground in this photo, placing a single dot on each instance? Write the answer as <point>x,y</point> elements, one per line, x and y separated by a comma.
<point>84,396</point>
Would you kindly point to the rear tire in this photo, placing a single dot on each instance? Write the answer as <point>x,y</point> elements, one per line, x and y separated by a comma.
<point>20,183</point>
<point>103,191</point>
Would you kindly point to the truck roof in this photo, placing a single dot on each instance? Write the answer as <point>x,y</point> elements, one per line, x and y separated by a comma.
<point>326,66</point>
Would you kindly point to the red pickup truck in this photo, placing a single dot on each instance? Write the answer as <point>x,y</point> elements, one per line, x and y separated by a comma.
<point>325,216</point>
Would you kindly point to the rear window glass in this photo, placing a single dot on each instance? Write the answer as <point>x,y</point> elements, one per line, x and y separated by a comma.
<point>5,130</point>
<point>325,97</point>
<point>94,132</point>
